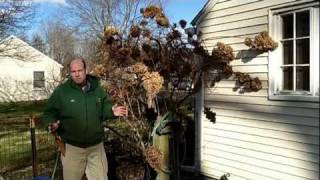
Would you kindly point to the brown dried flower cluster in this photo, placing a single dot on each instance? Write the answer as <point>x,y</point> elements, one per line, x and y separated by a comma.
<point>152,83</point>
<point>175,34</point>
<point>261,42</point>
<point>99,71</point>
<point>139,68</point>
<point>151,11</point>
<point>248,84</point>
<point>135,31</point>
<point>223,52</point>
<point>162,20</point>
<point>110,31</point>
<point>153,157</point>
<point>156,12</point>
<point>227,70</point>
<point>146,33</point>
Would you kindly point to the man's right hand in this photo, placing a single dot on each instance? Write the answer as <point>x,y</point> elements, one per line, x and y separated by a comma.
<point>53,127</point>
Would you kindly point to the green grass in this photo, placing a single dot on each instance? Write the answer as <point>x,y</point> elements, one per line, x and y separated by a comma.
<point>21,108</point>
<point>15,149</point>
<point>15,136</point>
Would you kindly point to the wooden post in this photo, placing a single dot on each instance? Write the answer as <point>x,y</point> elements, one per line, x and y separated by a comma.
<point>33,146</point>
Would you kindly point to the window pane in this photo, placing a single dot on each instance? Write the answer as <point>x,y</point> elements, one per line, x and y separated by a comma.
<point>38,79</point>
<point>38,84</point>
<point>287,29</point>
<point>303,78</point>
<point>303,51</point>
<point>287,78</point>
<point>38,75</point>
<point>287,52</point>
<point>302,24</point>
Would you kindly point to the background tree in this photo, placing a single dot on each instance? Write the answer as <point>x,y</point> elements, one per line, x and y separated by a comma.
<point>15,16</point>
<point>38,42</point>
<point>61,41</point>
<point>92,16</point>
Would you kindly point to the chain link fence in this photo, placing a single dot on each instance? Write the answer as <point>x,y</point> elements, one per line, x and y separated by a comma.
<point>16,157</point>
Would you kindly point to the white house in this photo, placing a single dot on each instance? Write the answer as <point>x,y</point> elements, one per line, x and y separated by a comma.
<point>273,133</point>
<point>25,73</point>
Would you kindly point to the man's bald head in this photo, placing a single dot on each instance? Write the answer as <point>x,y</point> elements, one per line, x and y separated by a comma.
<point>77,60</point>
<point>77,68</point>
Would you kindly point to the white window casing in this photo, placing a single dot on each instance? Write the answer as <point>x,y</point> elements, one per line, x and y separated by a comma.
<point>276,91</point>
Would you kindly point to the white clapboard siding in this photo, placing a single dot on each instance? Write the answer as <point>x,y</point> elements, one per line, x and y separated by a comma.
<point>294,154</point>
<point>305,112</point>
<point>254,153</point>
<point>276,167</point>
<point>279,127</point>
<point>236,46</point>
<point>249,62</point>
<point>226,40</point>
<point>263,139</point>
<point>237,25</point>
<point>236,174</point>
<point>223,100</point>
<point>261,75</point>
<point>266,4</point>
<point>236,92</point>
<point>253,137</point>
<point>234,32</point>
<point>232,84</point>
<point>262,169</point>
<point>268,117</point>
<point>232,18</point>
<point>295,137</point>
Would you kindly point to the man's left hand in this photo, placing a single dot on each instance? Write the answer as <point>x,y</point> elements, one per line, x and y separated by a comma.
<point>120,110</point>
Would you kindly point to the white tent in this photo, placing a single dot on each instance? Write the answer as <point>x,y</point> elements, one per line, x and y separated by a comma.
<point>25,73</point>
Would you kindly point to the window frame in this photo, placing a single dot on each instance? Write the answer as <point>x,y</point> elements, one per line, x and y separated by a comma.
<point>33,80</point>
<point>275,71</point>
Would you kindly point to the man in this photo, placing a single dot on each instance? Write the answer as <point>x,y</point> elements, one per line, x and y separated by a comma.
<point>75,111</point>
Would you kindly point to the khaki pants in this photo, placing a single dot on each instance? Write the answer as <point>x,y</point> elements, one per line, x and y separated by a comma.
<point>92,161</point>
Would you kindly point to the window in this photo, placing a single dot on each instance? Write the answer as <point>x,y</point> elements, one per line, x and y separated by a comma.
<point>38,79</point>
<point>294,65</point>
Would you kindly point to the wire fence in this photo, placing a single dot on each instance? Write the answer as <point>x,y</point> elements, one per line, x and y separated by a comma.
<point>16,158</point>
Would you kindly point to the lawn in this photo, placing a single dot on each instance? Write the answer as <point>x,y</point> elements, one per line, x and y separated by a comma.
<point>15,138</point>
<point>12,109</point>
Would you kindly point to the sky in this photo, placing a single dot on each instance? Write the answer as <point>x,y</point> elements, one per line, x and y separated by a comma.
<point>183,9</point>
<point>175,10</point>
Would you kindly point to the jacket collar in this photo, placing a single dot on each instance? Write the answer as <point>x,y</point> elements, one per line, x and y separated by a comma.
<point>92,81</point>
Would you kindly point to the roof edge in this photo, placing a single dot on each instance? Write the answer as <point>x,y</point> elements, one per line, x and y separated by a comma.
<point>209,4</point>
<point>31,47</point>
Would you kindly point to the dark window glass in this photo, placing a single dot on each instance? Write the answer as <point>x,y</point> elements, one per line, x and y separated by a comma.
<point>302,24</point>
<point>287,52</point>
<point>303,51</point>
<point>303,78</point>
<point>38,79</point>
<point>287,78</point>
<point>287,29</point>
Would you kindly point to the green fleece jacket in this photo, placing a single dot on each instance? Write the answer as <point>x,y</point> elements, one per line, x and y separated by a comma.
<point>80,112</point>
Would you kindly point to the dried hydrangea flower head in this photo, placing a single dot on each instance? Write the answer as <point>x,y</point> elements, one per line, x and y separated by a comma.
<point>152,83</point>
<point>223,52</point>
<point>153,157</point>
<point>261,42</point>
<point>151,11</point>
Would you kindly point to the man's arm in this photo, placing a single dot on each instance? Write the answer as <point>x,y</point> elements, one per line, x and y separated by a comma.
<point>50,114</point>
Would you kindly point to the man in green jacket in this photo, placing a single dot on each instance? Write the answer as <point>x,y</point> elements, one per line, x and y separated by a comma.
<point>76,110</point>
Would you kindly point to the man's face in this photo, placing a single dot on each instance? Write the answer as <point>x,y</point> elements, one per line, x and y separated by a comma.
<point>78,72</point>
